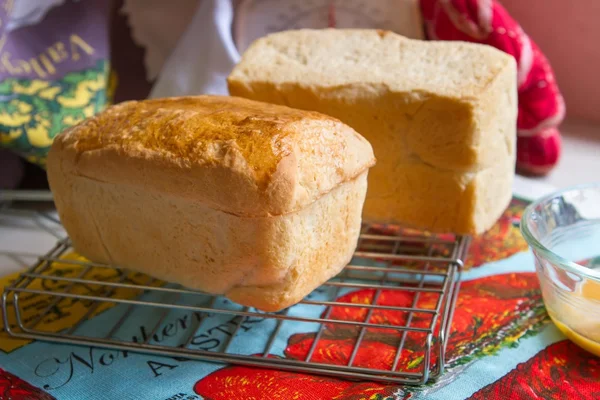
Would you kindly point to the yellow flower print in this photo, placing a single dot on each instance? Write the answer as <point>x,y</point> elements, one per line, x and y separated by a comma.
<point>34,87</point>
<point>12,135</point>
<point>84,91</point>
<point>49,93</point>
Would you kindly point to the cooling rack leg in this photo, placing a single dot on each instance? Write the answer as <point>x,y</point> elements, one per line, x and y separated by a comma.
<point>459,252</point>
<point>5,312</point>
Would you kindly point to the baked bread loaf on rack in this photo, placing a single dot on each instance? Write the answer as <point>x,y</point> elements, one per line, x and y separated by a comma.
<point>230,196</point>
<point>441,116</point>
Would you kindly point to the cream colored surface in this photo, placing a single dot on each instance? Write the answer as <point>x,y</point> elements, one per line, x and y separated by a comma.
<point>197,204</point>
<point>441,116</point>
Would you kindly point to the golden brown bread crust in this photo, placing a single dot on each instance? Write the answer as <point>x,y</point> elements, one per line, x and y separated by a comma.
<point>240,156</point>
<point>260,203</point>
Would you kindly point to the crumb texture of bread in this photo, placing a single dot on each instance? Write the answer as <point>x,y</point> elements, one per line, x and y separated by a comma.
<point>441,116</point>
<point>259,202</point>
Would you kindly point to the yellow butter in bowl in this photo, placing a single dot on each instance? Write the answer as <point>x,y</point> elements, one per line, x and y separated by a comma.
<point>581,326</point>
<point>563,229</point>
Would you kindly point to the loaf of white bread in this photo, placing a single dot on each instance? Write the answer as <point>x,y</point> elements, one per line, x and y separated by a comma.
<point>441,116</point>
<point>230,196</point>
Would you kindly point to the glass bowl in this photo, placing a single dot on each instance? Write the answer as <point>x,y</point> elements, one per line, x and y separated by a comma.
<point>563,231</point>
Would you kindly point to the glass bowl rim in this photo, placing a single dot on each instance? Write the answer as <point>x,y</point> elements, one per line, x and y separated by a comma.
<point>531,240</point>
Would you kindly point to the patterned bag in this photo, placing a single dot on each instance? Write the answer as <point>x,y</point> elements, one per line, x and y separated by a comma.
<point>53,70</point>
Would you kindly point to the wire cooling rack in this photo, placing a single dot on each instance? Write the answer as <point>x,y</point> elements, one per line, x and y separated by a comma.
<point>399,292</point>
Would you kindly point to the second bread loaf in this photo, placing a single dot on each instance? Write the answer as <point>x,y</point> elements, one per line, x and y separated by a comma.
<point>441,116</point>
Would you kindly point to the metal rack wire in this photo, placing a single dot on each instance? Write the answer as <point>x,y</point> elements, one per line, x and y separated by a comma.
<point>400,289</point>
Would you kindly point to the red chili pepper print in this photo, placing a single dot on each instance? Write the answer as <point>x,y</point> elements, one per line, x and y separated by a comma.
<point>560,371</point>
<point>491,312</point>
<point>15,388</point>
<point>371,354</point>
<point>251,383</point>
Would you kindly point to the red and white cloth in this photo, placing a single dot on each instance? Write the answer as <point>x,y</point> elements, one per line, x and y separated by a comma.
<point>541,106</point>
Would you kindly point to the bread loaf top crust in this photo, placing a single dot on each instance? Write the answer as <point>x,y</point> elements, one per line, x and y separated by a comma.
<point>452,104</point>
<point>334,57</point>
<point>240,156</point>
